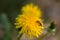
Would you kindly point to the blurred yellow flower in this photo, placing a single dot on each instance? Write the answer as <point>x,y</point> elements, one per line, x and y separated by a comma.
<point>31,10</point>
<point>29,21</point>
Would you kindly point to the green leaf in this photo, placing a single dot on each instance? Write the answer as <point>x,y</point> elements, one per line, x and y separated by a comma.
<point>7,27</point>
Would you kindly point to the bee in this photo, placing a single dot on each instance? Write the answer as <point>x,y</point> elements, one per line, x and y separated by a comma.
<point>39,23</point>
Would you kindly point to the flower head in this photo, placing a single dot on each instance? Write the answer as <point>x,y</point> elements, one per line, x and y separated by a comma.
<point>31,10</point>
<point>29,21</point>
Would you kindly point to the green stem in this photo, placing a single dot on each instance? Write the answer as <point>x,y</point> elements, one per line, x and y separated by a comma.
<point>19,36</point>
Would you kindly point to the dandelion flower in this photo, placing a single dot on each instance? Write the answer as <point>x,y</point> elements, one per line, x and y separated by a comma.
<point>29,21</point>
<point>32,10</point>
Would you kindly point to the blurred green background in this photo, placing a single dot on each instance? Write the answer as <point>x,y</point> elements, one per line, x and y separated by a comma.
<point>9,10</point>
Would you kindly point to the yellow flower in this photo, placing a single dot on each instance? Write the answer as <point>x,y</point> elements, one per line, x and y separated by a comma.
<point>32,10</point>
<point>29,21</point>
